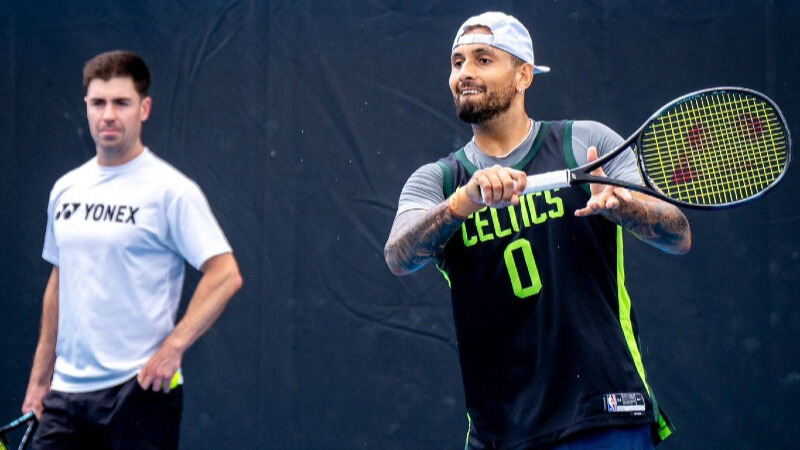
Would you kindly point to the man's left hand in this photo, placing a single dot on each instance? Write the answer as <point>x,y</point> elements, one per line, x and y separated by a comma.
<point>158,372</point>
<point>605,198</point>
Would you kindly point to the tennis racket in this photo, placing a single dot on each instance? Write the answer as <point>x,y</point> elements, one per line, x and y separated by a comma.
<point>715,148</point>
<point>28,420</point>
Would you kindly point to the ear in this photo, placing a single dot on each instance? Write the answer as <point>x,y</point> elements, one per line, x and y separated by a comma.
<point>144,109</point>
<point>524,77</point>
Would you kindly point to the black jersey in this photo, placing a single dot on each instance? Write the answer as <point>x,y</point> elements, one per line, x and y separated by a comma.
<point>547,340</point>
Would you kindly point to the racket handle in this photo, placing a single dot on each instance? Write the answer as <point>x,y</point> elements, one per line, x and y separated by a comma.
<point>543,182</point>
<point>547,181</point>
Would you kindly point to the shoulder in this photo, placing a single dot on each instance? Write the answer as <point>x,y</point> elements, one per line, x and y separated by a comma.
<point>587,133</point>
<point>428,174</point>
<point>72,177</point>
<point>591,128</point>
<point>168,175</point>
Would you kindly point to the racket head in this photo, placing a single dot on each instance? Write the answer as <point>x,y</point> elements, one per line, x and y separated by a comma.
<point>28,420</point>
<point>715,148</point>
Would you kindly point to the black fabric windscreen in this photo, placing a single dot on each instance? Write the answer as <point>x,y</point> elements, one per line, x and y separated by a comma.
<point>301,120</point>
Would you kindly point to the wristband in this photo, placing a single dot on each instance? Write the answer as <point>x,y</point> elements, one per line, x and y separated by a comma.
<point>456,200</point>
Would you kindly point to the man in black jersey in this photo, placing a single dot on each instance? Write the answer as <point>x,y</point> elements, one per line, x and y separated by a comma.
<point>546,334</point>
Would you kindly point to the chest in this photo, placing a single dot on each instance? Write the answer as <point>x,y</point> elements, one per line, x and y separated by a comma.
<point>108,215</point>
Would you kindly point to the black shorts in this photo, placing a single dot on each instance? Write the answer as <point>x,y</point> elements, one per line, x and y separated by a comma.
<point>120,417</point>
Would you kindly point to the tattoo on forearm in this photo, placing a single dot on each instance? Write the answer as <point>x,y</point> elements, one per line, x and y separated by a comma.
<point>656,222</point>
<point>418,236</point>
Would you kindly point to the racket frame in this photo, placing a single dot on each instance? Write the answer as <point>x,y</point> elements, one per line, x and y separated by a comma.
<point>27,418</point>
<point>569,177</point>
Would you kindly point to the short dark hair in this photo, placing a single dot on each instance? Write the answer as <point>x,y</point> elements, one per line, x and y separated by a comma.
<point>118,63</point>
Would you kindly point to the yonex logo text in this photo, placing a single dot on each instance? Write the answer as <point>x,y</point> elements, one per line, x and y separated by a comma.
<point>99,212</point>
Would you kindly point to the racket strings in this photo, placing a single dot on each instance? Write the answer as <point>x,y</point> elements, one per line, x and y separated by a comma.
<point>723,182</point>
<point>715,149</point>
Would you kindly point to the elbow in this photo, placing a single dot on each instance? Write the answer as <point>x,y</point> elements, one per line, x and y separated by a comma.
<point>686,244</point>
<point>391,257</point>
<point>232,278</point>
<point>236,281</point>
<point>682,245</point>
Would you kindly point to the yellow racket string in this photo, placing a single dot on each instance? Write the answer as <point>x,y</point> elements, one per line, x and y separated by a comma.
<point>715,149</point>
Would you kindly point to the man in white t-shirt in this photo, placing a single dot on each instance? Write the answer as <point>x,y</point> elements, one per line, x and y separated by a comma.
<point>106,373</point>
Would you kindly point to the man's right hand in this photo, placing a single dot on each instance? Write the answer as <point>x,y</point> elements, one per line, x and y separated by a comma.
<point>34,398</point>
<point>501,186</point>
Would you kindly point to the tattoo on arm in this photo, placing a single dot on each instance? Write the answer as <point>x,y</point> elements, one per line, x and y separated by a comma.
<point>655,222</point>
<point>418,236</point>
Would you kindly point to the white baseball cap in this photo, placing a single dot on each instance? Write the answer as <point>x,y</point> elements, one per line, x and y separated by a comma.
<point>508,34</point>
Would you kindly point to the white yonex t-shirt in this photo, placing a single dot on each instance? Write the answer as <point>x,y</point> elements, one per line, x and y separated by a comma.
<point>119,236</point>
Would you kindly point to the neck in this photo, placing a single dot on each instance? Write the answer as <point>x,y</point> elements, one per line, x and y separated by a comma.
<point>113,157</point>
<point>500,135</point>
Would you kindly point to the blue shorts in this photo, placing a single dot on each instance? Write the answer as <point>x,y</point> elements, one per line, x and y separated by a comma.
<point>118,418</point>
<point>623,438</point>
<point>634,438</point>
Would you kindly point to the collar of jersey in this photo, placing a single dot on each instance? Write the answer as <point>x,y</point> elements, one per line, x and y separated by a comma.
<point>472,168</point>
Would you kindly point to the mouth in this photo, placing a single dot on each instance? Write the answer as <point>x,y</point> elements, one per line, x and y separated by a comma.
<point>467,92</point>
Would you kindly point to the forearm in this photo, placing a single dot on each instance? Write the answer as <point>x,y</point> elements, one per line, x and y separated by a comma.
<point>45,357</point>
<point>220,281</point>
<point>658,223</point>
<point>44,361</point>
<point>417,236</point>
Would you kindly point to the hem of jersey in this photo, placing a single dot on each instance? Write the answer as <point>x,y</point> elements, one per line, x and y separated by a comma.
<point>177,380</point>
<point>83,388</point>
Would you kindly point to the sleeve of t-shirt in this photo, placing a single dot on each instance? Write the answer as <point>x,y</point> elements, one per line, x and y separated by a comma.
<point>586,133</point>
<point>423,190</point>
<point>194,229</point>
<point>50,250</point>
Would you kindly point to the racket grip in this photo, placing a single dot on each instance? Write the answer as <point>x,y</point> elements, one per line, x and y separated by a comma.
<point>546,181</point>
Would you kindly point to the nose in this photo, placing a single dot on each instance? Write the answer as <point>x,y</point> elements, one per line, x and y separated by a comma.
<point>466,72</point>
<point>108,112</point>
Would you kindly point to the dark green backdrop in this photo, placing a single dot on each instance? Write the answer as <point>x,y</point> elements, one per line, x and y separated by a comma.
<point>301,121</point>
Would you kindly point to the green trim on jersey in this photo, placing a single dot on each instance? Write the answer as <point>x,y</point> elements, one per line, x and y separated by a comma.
<point>469,430</point>
<point>625,313</point>
<point>446,276</point>
<point>471,168</point>
<point>447,181</point>
<point>569,152</point>
<point>664,426</point>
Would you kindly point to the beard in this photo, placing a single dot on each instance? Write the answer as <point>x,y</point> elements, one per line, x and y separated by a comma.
<point>494,104</point>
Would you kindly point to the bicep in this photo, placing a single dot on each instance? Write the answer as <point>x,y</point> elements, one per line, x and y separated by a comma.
<point>193,229</point>
<point>423,189</point>
<point>586,133</point>
<point>217,263</point>
<point>51,289</point>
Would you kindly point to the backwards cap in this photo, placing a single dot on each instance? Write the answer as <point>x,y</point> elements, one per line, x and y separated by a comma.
<point>508,34</point>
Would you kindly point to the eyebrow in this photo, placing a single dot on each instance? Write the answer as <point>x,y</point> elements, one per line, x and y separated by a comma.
<point>112,100</point>
<point>482,50</point>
